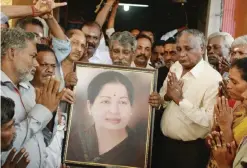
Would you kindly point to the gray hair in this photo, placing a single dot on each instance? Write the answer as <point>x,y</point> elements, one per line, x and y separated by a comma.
<point>228,39</point>
<point>196,33</point>
<point>124,38</point>
<point>14,38</point>
<point>242,40</point>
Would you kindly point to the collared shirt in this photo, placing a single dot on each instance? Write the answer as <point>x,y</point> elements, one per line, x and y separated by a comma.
<point>192,118</point>
<point>148,66</point>
<point>102,54</point>
<point>4,18</point>
<point>31,119</point>
<point>62,49</point>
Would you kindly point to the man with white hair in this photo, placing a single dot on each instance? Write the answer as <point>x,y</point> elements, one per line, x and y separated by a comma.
<point>188,96</point>
<point>122,48</point>
<point>218,48</point>
<point>239,48</point>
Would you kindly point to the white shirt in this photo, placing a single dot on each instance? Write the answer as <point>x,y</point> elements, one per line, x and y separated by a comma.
<point>192,118</point>
<point>102,54</point>
<point>31,120</point>
<point>148,66</point>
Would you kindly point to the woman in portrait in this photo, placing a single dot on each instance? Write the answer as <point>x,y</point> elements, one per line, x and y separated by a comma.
<point>110,97</point>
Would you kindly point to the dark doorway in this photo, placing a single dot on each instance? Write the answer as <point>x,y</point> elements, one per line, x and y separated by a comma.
<point>160,17</point>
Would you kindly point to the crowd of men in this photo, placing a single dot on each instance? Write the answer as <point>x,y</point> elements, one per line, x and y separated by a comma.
<point>201,101</point>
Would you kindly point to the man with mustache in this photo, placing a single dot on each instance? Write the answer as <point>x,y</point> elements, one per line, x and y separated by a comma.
<point>218,48</point>
<point>46,69</point>
<point>188,96</point>
<point>33,111</point>
<point>143,52</point>
<point>122,48</point>
<point>78,48</point>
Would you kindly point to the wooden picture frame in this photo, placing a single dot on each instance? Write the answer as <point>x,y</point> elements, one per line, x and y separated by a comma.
<point>111,123</point>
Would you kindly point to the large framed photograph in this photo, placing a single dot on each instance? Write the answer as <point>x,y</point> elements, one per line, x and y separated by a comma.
<point>110,124</point>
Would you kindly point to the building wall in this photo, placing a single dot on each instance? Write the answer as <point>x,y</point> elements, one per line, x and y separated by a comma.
<point>235,17</point>
<point>240,18</point>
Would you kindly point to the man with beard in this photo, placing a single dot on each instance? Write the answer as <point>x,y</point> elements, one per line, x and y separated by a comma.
<point>122,48</point>
<point>143,52</point>
<point>32,111</point>
<point>218,48</point>
<point>157,59</point>
<point>59,42</point>
<point>8,135</point>
<point>188,96</point>
<point>46,69</point>
<point>97,52</point>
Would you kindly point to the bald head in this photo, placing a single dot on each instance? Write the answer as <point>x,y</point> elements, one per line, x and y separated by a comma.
<point>78,44</point>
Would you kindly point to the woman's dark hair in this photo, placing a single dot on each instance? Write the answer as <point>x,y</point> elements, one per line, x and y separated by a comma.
<point>7,110</point>
<point>101,79</point>
<point>241,65</point>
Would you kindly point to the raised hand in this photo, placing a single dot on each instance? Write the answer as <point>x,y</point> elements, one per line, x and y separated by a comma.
<point>16,160</point>
<point>224,65</point>
<point>49,95</point>
<point>223,89</point>
<point>224,114</point>
<point>46,6</point>
<point>174,88</point>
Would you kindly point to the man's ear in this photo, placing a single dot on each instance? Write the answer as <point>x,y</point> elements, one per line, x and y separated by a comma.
<point>203,49</point>
<point>10,53</point>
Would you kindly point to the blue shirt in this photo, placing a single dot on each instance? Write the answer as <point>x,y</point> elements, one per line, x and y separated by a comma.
<point>31,120</point>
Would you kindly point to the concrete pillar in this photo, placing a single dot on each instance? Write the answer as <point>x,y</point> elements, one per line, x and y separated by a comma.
<point>214,17</point>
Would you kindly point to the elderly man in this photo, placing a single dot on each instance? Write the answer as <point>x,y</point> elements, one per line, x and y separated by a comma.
<point>239,48</point>
<point>60,43</point>
<point>218,48</point>
<point>122,48</point>
<point>18,65</point>
<point>189,94</point>
<point>143,52</point>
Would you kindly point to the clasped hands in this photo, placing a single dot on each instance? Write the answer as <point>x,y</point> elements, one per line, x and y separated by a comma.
<point>223,153</point>
<point>174,92</point>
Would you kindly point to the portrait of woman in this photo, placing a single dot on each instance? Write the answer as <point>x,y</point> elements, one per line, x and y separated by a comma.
<point>109,140</point>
